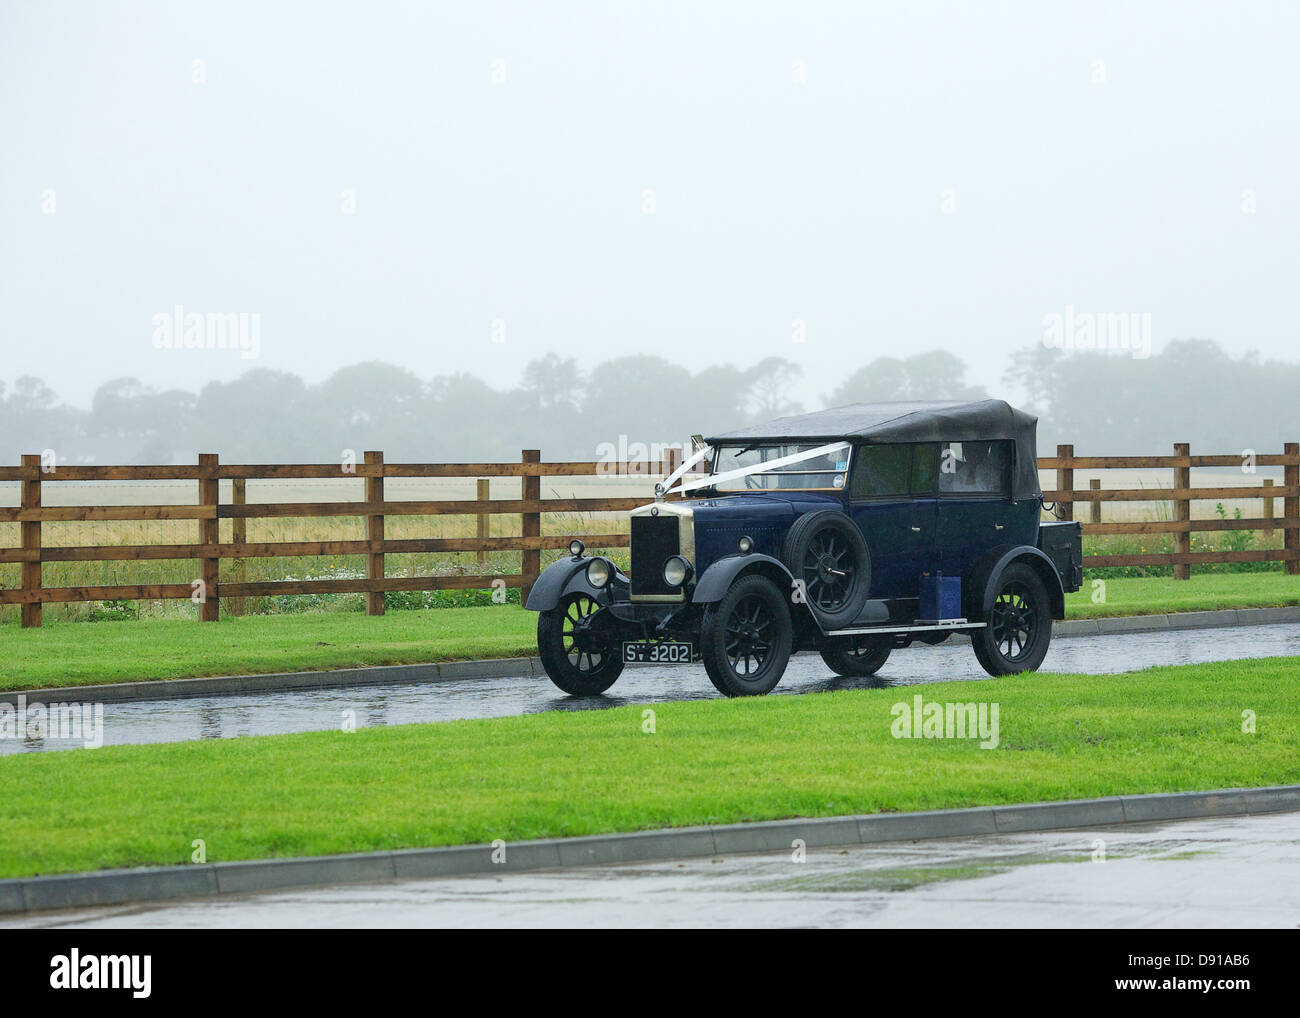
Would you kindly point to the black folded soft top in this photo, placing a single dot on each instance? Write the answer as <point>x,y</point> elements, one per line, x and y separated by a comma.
<point>921,421</point>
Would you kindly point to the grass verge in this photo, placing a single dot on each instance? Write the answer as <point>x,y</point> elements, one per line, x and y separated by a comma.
<point>1157,595</point>
<point>81,653</point>
<point>708,762</point>
<point>85,653</point>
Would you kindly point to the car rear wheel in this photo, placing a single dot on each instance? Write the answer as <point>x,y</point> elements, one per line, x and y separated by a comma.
<point>745,638</point>
<point>578,653</point>
<point>855,656</point>
<point>828,555</point>
<point>1019,628</point>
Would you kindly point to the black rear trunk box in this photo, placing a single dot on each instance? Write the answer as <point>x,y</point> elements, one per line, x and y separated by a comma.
<point>1062,542</point>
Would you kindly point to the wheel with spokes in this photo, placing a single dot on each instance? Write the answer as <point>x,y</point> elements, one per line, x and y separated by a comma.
<point>826,551</point>
<point>745,638</point>
<point>855,656</point>
<point>1019,627</point>
<point>579,654</point>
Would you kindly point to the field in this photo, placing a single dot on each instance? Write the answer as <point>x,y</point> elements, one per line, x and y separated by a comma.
<point>713,762</point>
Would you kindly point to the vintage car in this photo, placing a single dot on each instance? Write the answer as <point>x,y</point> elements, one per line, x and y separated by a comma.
<point>852,531</point>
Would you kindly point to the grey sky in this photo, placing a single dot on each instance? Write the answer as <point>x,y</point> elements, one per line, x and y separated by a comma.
<point>522,201</point>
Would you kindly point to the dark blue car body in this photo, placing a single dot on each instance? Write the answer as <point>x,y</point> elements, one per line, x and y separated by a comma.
<point>911,496</point>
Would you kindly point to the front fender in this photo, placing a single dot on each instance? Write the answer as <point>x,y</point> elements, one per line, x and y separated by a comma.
<point>980,587</point>
<point>717,579</point>
<point>568,576</point>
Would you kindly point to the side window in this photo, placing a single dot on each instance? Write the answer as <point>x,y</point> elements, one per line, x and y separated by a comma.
<point>880,470</point>
<point>925,468</point>
<point>975,468</point>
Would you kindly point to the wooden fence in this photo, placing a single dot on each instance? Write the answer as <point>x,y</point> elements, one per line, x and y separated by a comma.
<point>1182,495</point>
<point>209,550</point>
<point>209,590</point>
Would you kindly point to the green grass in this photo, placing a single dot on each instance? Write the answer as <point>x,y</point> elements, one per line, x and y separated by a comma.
<point>81,653</point>
<point>708,762</point>
<point>1152,596</point>
<point>65,653</point>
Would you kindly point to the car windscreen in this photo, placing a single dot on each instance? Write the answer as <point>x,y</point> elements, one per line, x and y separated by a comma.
<point>825,472</point>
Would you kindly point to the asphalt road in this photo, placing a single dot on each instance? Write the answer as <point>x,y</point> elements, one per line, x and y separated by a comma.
<point>1223,873</point>
<point>315,710</point>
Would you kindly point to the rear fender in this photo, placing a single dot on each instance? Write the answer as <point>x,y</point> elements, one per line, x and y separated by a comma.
<point>979,588</point>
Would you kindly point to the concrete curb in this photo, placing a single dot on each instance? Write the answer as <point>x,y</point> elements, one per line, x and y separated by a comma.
<point>513,667</point>
<point>119,887</point>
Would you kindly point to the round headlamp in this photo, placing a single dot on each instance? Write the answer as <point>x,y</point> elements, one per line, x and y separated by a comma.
<point>676,571</point>
<point>599,573</point>
<point>576,548</point>
<point>746,545</point>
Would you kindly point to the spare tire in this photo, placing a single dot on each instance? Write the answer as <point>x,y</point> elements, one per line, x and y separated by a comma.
<point>826,552</point>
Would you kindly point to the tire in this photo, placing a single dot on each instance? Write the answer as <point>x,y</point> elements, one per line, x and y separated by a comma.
<point>828,553</point>
<point>1019,628</point>
<point>745,638</point>
<point>581,660</point>
<point>855,656</point>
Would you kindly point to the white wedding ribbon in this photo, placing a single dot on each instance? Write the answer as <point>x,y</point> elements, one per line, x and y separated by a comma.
<point>757,468</point>
<point>666,483</point>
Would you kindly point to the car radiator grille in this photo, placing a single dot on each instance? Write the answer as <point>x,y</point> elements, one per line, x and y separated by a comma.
<point>655,539</point>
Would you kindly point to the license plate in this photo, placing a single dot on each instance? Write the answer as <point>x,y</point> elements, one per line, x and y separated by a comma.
<point>661,652</point>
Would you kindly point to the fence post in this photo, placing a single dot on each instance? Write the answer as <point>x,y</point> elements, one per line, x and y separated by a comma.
<point>531,560</point>
<point>672,460</point>
<point>1183,511</point>
<point>1291,507</point>
<point>483,494</point>
<point>210,535</point>
<point>1268,507</point>
<point>1094,510</point>
<point>31,541</point>
<point>238,535</point>
<point>375,535</point>
<point>1065,483</point>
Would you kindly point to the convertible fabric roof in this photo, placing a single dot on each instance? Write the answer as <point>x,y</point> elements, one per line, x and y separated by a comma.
<point>886,423</point>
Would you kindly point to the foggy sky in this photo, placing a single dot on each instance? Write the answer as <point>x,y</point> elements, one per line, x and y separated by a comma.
<point>943,176</point>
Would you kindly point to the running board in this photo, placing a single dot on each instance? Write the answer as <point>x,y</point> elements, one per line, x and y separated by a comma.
<point>950,625</point>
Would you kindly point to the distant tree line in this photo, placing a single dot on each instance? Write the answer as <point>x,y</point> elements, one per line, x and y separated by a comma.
<point>1107,403</point>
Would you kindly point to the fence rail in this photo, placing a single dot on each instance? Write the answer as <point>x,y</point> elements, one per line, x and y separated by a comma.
<point>209,551</point>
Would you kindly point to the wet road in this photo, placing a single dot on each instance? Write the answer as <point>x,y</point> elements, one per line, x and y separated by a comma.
<point>1224,873</point>
<point>314,710</point>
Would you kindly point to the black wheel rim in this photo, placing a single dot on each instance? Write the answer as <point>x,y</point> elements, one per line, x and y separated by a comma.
<point>750,630</point>
<point>582,646</point>
<point>1014,621</point>
<point>829,571</point>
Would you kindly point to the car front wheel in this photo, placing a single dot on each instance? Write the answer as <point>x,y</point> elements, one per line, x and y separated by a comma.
<point>578,653</point>
<point>1019,627</point>
<point>745,638</point>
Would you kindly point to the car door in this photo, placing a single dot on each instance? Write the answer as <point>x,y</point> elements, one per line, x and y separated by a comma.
<point>976,512</point>
<point>893,501</point>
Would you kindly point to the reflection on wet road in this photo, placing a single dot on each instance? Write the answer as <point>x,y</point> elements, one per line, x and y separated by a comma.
<point>1215,874</point>
<point>224,717</point>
